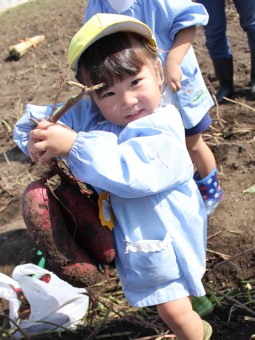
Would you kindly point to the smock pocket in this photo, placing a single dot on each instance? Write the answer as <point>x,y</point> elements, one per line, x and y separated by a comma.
<point>191,93</point>
<point>150,263</point>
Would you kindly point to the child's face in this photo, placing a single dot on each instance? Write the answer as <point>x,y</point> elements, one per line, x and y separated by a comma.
<point>135,97</point>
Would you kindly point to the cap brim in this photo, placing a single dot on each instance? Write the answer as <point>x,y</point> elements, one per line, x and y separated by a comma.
<point>99,26</point>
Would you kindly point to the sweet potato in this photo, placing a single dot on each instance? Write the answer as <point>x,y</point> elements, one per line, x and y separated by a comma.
<point>84,224</point>
<point>45,222</point>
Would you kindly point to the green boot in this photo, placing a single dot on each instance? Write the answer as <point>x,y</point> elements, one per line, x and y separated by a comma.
<point>202,305</point>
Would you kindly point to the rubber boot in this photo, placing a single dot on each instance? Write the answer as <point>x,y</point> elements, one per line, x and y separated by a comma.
<point>224,71</point>
<point>253,74</point>
<point>202,305</point>
<point>210,190</point>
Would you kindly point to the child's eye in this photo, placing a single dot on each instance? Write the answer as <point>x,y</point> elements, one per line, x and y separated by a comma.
<point>107,94</point>
<point>135,82</point>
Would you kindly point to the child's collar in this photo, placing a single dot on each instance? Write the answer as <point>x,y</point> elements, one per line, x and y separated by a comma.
<point>121,5</point>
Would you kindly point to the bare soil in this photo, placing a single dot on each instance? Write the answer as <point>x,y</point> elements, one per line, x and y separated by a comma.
<point>36,78</point>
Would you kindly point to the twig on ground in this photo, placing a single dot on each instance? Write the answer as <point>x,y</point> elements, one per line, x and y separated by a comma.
<point>156,337</point>
<point>109,304</point>
<point>111,335</point>
<point>232,258</point>
<point>217,112</point>
<point>215,234</point>
<point>239,103</point>
<point>223,256</point>
<point>16,325</point>
<point>6,158</point>
<point>238,303</point>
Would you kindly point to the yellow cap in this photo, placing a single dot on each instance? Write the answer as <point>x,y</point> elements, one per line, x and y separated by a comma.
<point>99,26</point>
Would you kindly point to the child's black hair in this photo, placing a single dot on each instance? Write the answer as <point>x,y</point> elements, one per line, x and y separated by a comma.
<point>114,58</point>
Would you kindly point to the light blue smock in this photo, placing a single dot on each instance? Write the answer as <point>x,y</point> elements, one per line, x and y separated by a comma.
<point>160,226</point>
<point>166,18</point>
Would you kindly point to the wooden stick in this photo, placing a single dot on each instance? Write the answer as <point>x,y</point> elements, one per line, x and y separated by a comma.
<point>232,258</point>
<point>241,305</point>
<point>55,116</point>
<point>21,48</point>
<point>239,103</point>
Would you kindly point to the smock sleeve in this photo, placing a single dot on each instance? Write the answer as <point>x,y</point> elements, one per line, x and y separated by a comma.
<point>24,125</point>
<point>180,14</point>
<point>148,157</point>
<point>81,116</point>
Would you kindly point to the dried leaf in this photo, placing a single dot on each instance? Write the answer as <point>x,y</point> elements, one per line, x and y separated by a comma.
<point>250,190</point>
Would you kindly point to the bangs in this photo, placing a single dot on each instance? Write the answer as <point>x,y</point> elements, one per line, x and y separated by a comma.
<point>114,58</point>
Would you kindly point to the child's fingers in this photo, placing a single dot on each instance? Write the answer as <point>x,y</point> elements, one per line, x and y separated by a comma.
<point>36,156</point>
<point>175,85</point>
<point>38,147</point>
<point>44,124</point>
<point>40,152</point>
<point>46,157</point>
<point>172,86</point>
<point>33,156</point>
<point>39,131</point>
<point>37,134</point>
<point>178,85</point>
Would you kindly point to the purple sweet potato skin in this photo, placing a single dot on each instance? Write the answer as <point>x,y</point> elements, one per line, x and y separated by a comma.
<point>46,224</point>
<point>84,224</point>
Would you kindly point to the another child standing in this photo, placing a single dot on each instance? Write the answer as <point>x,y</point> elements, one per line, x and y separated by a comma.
<point>136,151</point>
<point>173,24</point>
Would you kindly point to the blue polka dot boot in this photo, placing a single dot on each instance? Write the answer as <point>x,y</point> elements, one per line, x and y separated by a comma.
<point>210,190</point>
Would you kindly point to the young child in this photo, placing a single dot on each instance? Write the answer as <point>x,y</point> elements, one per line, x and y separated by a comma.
<point>132,145</point>
<point>173,24</point>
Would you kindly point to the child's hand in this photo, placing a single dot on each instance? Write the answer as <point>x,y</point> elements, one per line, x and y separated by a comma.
<point>182,43</point>
<point>50,140</point>
<point>30,147</point>
<point>31,141</point>
<point>173,75</point>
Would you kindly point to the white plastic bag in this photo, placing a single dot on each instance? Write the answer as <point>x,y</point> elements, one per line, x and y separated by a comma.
<point>55,301</point>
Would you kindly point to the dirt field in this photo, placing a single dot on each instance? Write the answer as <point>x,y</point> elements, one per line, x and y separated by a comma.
<point>35,78</point>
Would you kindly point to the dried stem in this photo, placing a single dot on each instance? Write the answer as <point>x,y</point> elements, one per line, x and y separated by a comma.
<point>16,325</point>
<point>54,117</point>
<point>62,82</point>
<point>232,258</point>
<point>237,102</point>
<point>241,305</point>
<point>217,112</point>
